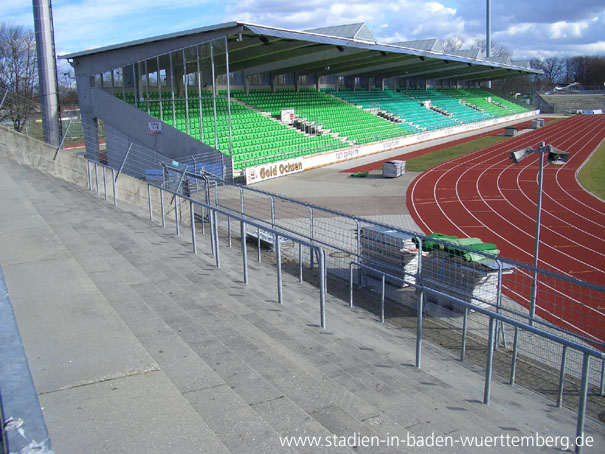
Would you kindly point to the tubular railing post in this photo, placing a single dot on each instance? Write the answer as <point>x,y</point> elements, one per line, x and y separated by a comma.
<point>258,252</point>
<point>311,252</point>
<point>211,220</point>
<point>499,325</point>
<point>89,175</point>
<point>300,263</point>
<point>113,184</point>
<point>562,377</point>
<point>162,208</point>
<point>322,287</point>
<point>420,307</point>
<point>382,300</point>
<point>242,227</point>
<point>513,366</point>
<point>229,231</point>
<point>272,216</point>
<point>490,361</point>
<point>192,220</point>
<point>177,213</point>
<point>583,398</point>
<point>278,260</point>
<point>351,285</point>
<point>464,328</point>
<point>97,178</point>
<point>149,202</point>
<point>216,240</point>
<point>602,385</point>
<point>105,181</point>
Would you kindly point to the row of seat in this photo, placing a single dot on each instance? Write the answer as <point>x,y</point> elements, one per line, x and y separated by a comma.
<point>326,111</point>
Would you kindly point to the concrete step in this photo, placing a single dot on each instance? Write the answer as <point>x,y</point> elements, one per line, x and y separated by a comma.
<point>254,370</point>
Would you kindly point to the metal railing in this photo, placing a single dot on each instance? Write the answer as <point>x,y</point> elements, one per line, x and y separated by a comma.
<point>496,309</point>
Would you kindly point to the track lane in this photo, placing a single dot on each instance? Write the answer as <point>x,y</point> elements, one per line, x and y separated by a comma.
<point>483,195</point>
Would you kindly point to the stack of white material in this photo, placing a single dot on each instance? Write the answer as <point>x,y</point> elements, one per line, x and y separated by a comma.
<point>393,169</point>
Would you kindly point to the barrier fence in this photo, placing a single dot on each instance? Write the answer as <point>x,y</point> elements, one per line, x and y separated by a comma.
<point>482,304</point>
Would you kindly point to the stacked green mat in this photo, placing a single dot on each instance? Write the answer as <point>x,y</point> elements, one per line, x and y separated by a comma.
<point>471,243</point>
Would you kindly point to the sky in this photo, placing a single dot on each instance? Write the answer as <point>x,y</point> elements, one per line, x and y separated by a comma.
<point>527,29</point>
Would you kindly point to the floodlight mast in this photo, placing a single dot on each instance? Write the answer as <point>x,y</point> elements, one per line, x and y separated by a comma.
<point>516,157</point>
<point>488,35</point>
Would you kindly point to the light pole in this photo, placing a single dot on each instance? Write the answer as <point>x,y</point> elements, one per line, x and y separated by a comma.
<point>517,156</point>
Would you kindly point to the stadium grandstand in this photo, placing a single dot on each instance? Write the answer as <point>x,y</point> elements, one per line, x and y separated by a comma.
<point>277,309</point>
<point>234,98</point>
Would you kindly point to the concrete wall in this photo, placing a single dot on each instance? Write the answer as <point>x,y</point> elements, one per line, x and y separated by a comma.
<point>131,192</point>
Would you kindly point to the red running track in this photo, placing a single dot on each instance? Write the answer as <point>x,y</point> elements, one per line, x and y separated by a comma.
<point>484,195</point>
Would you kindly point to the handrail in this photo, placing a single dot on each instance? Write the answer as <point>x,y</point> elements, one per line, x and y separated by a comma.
<point>215,211</point>
<point>418,284</point>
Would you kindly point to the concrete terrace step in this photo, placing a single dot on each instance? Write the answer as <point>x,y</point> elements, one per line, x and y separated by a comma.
<point>249,369</point>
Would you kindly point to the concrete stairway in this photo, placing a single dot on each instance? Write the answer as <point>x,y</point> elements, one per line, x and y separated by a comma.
<point>138,345</point>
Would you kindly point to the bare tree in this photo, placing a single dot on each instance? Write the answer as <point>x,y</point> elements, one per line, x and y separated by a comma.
<point>498,50</point>
<point>18,73</point>
<point>453,43</point>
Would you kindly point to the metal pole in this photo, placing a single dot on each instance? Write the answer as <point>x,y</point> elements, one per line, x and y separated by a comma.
<point>278,260</point>
<point>258,258</point>
<point>158,73</point>
<point>562,377</point>
<point>192,220</point>
<point>212,239</point>
<point>382,300</point>
<point>582,406</point>
<point>311,235</point>
<point>242,227</point>
<point>228,96</point>
<point>216,241</point>
<point>162,209</point>
<point>351,285</point>
<point>488,35</point>
<point>272,214</point>
<point>513,366</point>
<point>420,306</point>
<point>534,284</point>
<point>186,76</point>
<point>300,263</point>
<point>113,184</point>
<point>105,181</point>
<point>177,215</point>
<point>89,174</point>
<point>199,91</point>
<point>499,324</point>
<point>147,96</point>
<point>47,71</point>
<point>149,201</point>
<point>214,96</point>
<point>172,90</point>
<point>464,327</point>
<point>602,386</point>
<point>124,161</point>
<point>62,140</point>
<point>97,178</point>
<point>322,288</point>
<point>229,231</point>
<point>490,361</point>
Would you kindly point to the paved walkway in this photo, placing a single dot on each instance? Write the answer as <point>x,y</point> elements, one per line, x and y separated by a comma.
<point>137,345</point>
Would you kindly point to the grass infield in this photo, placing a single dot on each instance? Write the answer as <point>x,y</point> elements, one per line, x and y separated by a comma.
<point>591,175</point>
<point>427,161</point>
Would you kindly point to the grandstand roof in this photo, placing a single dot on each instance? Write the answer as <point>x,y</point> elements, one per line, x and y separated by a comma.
<point>340,50</point>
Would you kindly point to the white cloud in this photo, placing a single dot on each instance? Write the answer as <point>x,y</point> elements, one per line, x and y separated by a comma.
<point>547,27</point>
